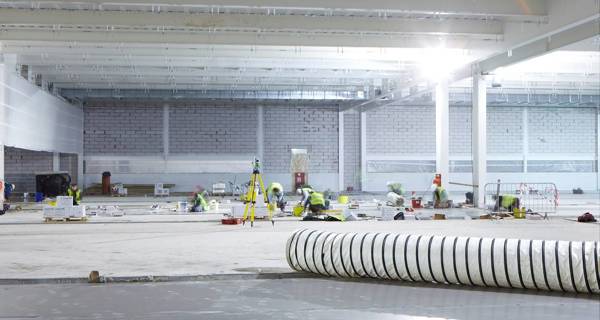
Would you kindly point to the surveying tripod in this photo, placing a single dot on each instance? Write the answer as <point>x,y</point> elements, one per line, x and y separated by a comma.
<point>252,194</point>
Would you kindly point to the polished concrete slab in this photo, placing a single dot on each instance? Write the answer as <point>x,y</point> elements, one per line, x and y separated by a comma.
<point>204,248</point>
<point>285,299</point>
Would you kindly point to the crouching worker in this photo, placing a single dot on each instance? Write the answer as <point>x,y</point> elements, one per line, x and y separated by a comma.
<point>73,191</point>
<point>199,203</point>
<point>507,202</point>
<point>275,195</point>
<point>6,190</point>
<point>395,194</point>
<point>313,201</point>
<point>440,197</point>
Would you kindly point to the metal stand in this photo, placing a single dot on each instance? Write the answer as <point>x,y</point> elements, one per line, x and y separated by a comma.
<point>252,195</point>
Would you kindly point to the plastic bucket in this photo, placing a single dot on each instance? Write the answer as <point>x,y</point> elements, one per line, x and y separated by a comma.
<point>298,210</point>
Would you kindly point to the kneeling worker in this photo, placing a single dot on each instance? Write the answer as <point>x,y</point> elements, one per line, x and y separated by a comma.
<point>275,195</point>
<point>313,201</point>
<point>73,191</point>
<point>440,197</point>
<point>200,204</point>
<point>508,202</point>
<point>395,194</point>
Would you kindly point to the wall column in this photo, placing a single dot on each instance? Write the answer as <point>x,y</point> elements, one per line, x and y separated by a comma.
<point>165,130</point>
<point>598,148</point>
<point>56,161</point>
<point>260,133</point>
<point>442,131</point>
<point>341,151</point>
<point>479,138</point>
<point>2,119</point>
<point>525,137</point>
<point>363,150</point>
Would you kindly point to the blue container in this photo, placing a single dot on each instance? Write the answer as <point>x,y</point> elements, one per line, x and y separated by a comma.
<point>39,197</point>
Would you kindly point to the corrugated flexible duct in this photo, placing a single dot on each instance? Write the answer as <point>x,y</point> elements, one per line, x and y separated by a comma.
<point>572,266</point>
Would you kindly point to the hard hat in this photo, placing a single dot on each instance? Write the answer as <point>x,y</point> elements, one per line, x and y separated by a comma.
<point>389,183</point>
<point>299,191</point>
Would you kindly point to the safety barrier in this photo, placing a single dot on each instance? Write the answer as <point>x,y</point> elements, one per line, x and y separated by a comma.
<point>539,198</point>
<point>570,266</point>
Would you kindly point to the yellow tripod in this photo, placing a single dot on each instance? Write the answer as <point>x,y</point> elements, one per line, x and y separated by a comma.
<point>252,194</point>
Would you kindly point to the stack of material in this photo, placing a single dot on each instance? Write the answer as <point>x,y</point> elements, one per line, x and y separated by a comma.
<point>64,210</point>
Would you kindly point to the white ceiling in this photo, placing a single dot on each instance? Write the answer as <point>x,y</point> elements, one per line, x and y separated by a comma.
<point>294,45</point>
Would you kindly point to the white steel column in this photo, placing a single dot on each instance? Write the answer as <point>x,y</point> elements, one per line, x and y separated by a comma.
<point>363,150</point>
<point>598,148</point>
<point>165,130</point>
<point>260,133</point>
<point>442,130</point>
<point>2,119</point>
<point>478,138</point>
<point>1,160</point>
<point>56,161</point>
<point>525,137</point>
<point>341,151</point>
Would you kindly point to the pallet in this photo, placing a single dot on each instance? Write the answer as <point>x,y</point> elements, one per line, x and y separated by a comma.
<point>65,220</point>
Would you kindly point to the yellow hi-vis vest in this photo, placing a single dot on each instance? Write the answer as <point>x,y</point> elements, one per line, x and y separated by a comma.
<point>507,200</point>
<point>274,185</point>
<point>76,194</point>
<point>317,199</point>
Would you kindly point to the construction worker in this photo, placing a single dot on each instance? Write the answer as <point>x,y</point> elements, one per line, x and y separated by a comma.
<point>313,201</point>
<point>440,197</point>
<point>199,202</point>
<point>508,202</point>
<point>6,190</point>
<point>73,191</point>
<point>395,194</point>
<point>275,195</point>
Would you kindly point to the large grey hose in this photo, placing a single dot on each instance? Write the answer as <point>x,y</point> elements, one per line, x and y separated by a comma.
<point>572,266</point>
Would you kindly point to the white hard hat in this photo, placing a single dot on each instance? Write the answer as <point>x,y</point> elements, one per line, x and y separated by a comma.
<point>389,183</point>
<point>299,191</point>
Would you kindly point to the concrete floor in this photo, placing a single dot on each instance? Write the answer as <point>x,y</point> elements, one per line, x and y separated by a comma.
<point>145,243</point>
<point>159,248</point>
<point>285,299</point>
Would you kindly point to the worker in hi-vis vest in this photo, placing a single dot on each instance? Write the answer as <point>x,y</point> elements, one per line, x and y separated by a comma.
<point>199,203</point>
<point>75,192</point>
<point>440,197</point>
<point>275,195</point>
<point>313,201</point>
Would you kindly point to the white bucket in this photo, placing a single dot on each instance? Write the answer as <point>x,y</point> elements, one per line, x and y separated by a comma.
<point>182,206</point>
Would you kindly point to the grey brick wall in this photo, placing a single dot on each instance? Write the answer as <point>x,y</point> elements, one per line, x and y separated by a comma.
<point>562,130</point>
<point>311,127</point>
<point>113,127</point>
<point>212,129</point>
<point>460,130</point>
<point>505,130</point>
<point>352,150</point>
<point>401,129</point>
<point>21,165</point>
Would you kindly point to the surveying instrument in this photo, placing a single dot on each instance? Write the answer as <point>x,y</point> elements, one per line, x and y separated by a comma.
<point>256,181</point>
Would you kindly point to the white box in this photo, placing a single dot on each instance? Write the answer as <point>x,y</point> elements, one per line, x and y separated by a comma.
<point>76,212</point>
<point>64,202</point>
<point>55,213</point>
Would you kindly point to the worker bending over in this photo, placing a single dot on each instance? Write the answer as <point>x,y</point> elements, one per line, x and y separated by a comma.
<point>395,194</point>
<point>508,202</point>
<point>312,201</point>
<point>73,191</point>
<point>6,190</point>
<point>199,203</point>
<point>275,195</point>
<point>440,197</point>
